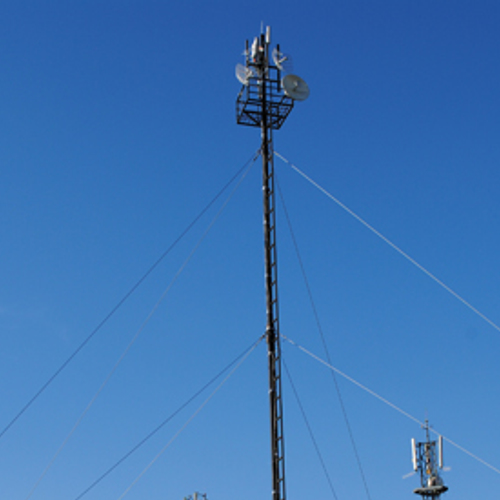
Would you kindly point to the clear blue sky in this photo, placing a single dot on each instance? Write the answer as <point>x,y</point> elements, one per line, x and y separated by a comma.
<point>118,126</point>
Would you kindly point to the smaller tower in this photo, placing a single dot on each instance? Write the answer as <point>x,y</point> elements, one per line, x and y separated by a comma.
<point>196,496</point>
<point>428,461</point>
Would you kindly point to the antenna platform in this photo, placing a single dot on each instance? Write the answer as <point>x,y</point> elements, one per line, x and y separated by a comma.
<point>261,99</point>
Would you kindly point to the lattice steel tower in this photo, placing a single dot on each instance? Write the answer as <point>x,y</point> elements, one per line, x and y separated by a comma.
<point>265,101</point>
<point>427,458</point>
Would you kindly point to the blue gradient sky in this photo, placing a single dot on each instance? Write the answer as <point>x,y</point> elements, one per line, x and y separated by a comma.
<point>118,126</point>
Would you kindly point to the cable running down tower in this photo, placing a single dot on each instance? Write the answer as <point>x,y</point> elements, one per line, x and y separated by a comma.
<point>265,101</point>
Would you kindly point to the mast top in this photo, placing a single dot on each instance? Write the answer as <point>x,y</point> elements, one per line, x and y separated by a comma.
<point>268,90</point>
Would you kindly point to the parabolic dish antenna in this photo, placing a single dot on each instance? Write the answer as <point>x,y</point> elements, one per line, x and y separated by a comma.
<point>243,73</point>
<point>295,87</point>
<point>283,61</point>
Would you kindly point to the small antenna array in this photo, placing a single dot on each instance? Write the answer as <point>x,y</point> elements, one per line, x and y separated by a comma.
<point>269,89</point>
<point>428,460</point>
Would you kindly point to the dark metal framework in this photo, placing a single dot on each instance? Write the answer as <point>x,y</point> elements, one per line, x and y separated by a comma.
<point>263,95</point>
<point>428,465</point>
<point>262,103</point>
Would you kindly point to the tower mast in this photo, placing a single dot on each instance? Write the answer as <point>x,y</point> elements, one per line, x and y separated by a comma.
<point>271,283</point>
<point>262,102</point>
